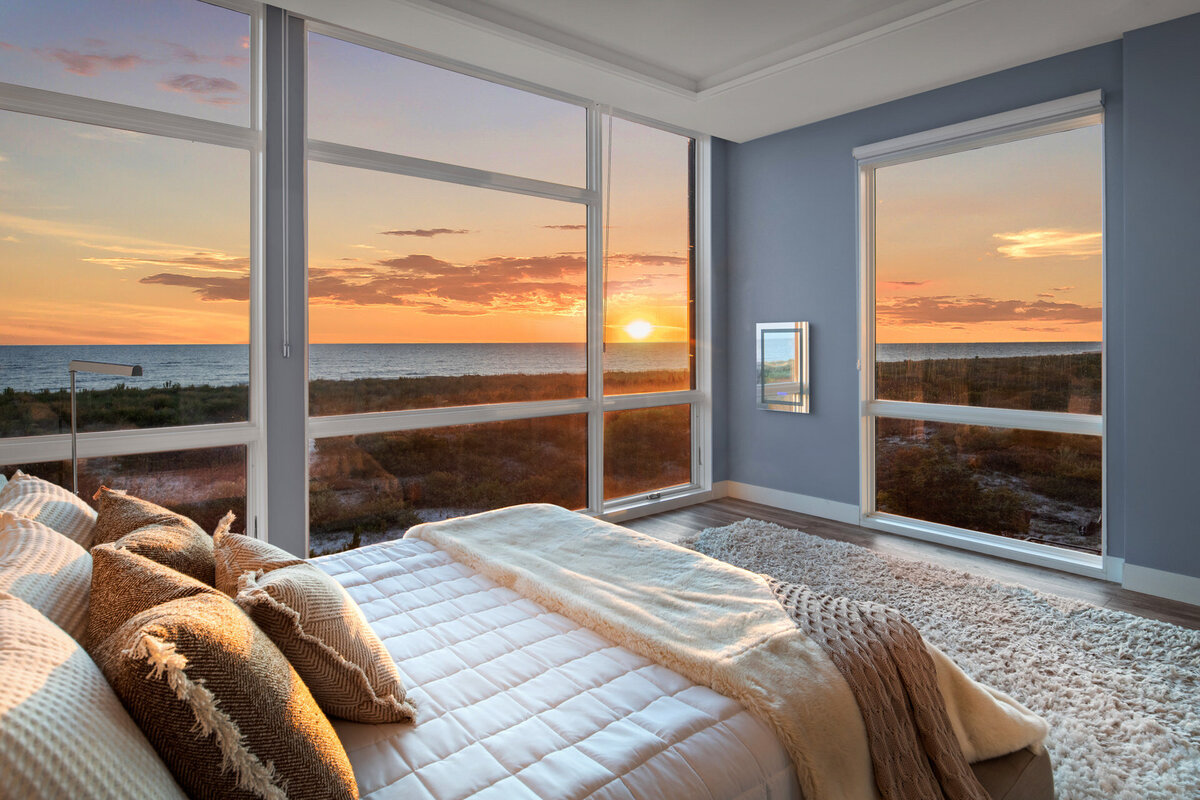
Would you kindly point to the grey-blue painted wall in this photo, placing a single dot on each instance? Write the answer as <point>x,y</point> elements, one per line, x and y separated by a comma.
<point>720,310</point>
<point>790,255</point>
<point>1162,295</point>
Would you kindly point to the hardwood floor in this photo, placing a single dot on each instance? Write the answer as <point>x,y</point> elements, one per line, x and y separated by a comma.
<point>671,525</point>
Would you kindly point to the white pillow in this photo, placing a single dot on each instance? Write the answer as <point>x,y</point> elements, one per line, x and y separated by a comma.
<point>49,504</point>
<point>46,570</point>
<point>63,732</point>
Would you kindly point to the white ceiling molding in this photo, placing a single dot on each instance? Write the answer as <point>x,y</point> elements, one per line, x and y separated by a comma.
<point>833,66</point>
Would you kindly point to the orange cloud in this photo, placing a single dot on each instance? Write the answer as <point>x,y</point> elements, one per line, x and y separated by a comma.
<point>90,64</point>
<point>946,309</point>
<point>425,233</point>
<point>214,91</point>
<point>1050,244</point>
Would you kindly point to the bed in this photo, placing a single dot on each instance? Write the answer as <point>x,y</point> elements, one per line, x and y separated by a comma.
<point>550,655</point>
<point>518,702</point>
<point>515,702</point>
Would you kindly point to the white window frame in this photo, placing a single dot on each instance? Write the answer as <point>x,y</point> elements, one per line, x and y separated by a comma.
<point>1068,113</point>
<point>252,432</point>
<point>90,111</point>
<point>596,404</point>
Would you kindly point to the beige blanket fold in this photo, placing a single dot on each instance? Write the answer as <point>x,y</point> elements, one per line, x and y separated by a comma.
<point>719,626</point>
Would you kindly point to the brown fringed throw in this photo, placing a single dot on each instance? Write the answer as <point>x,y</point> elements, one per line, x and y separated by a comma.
<point>914,752</point>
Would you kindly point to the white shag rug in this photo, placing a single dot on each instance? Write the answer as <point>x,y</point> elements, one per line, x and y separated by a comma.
<point>1121,693</point>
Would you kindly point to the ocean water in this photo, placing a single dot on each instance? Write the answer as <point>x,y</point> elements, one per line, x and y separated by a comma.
<point>38,367</point>
<point>938,350</point>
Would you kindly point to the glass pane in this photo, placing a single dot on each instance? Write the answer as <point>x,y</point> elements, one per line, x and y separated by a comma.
<point>181,56</point>
<point>200,484</point>
<point>425,294</point>
<point>989,276</point>
<point>125,248</point>
<point>1030,485</point>
<point>647,449</point>
<point>367,98</point>
<point>365,489</point>
<point>648,328</point>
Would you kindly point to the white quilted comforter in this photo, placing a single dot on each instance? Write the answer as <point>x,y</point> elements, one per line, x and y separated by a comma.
<point>517,703</point>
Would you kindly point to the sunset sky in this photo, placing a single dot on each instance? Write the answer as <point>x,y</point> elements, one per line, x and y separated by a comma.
<point>999,244</point>
<point>109,237</point>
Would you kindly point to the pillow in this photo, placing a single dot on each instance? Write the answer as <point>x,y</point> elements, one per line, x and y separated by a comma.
<point>153,531</point>
<point>63,732</point>
<point>46,570</point>
<point>317,625</point>
<point>125,583</point>
<point>222,706</point>
<point>53,506</point>
<point>236,553</point>
<point>323,633</point>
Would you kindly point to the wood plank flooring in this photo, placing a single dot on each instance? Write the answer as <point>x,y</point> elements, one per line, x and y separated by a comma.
<point>671,525</point>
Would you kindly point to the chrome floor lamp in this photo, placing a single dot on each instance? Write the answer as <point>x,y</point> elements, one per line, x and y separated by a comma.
<point>103,368</point>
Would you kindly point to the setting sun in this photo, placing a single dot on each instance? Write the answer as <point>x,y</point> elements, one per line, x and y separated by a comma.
<point>639,329</point>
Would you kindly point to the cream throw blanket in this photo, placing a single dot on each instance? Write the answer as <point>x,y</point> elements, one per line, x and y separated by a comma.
<point>718,625</point>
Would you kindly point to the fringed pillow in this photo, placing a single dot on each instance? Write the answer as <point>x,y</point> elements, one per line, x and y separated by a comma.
<point>318,626</point>
<point>154,532</point>
<point>222,706</point>
<point>47,570</point>
<point>53,506</point>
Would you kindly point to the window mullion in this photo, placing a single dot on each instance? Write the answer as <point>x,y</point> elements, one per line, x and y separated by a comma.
<point>595,308</point>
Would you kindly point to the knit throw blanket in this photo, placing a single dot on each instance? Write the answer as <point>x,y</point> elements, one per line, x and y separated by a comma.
<point>725,628</point>
<point>914,753</point>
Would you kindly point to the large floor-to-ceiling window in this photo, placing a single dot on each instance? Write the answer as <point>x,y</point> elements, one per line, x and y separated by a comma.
<point>983,307</point>
<point>503,299</point>
<point>129,146</point>
<point>501,288</point>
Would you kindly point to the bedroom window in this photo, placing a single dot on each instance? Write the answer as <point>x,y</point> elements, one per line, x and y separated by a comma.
<point>982,281</point>
<point>129,147</point>
<point>501,297</point>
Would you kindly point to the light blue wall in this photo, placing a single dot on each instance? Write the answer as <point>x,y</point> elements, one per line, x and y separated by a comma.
<point>790,230</point>
<point>720,310</point>
<point>1162,296</point>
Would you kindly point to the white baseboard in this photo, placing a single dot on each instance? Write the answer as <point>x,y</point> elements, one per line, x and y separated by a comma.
<point>800,503</point>
<point>1114,569</point>
<point>1171,585</point>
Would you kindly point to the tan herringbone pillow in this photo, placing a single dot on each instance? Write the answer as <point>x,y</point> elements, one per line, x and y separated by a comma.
<point>47,570</point>
<point>50,504</point>
<point>236,553</point>
<point>322,631</point>
<point>125,583</point>
<point>154,532</point>
<point>225,711</point>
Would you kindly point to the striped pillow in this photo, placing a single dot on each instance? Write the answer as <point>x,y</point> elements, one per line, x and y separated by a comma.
<point>46,570</point>
<point>317,625</point>
<point>53,506</point>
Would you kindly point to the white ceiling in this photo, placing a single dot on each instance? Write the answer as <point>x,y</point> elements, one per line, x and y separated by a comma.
<point>740,69</point>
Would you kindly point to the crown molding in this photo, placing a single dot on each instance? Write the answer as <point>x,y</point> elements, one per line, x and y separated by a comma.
<point>784,59</point>
<point>489,19</point>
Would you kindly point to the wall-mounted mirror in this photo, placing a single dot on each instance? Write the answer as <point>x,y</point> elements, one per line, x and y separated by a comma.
<point>782,358</point>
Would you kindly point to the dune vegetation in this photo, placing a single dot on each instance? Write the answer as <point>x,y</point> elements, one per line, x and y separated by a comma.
<point>370,487</point>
